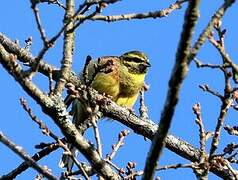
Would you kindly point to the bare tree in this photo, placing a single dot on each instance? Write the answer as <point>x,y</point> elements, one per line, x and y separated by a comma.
<point>64,86</point>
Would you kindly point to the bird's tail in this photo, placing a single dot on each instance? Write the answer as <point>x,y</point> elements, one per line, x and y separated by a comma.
<point>66,160</point>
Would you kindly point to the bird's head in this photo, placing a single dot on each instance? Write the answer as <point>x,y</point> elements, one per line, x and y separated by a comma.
<point>135,61</point>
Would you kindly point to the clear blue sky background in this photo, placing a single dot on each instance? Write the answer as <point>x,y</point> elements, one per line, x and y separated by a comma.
<point>158,38</point>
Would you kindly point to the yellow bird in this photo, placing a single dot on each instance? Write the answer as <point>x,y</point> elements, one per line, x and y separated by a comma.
<point>121,77</point>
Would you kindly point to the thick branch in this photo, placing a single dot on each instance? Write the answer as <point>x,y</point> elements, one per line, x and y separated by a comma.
<point>148,130</point>
<point>66,62</point>
<point>179,72</point>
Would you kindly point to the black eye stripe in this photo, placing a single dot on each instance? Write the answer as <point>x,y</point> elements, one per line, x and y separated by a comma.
<point>134,59</point>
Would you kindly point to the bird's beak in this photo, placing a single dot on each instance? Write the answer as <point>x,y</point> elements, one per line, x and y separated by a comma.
<point>147,64</point>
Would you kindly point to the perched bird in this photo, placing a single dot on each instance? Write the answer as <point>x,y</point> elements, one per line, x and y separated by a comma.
<point>120,77</point>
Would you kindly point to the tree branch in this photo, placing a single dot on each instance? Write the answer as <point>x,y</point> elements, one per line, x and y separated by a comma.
<point>122,17</point>
<point>68,48</point>
<point>179,72</point>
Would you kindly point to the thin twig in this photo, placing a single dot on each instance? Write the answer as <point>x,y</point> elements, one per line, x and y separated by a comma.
<point>228,150</point>
<point>119,143</point>
<point>133,175</point>
<point>143,109</point>
<point>22,153</point>
<point>42,126</point>
<point>36,157</point>
<point>156,14</point>
<point>120,170</point>
<point>202,133</point>
<point>96,133</point>
<point>97,10</point>
<point>231,130</point>
<point>207,31</point>
<point>199,64</point>
<point>175,166</point>
<point>203,168</point>
<point>220,47</point>
<point>57,2</point>
<point>206,88</point>
<point>39,25</point>
<point>223,111</point>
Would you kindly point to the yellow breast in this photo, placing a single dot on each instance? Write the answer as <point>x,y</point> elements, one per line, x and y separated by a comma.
<point>130,86</point>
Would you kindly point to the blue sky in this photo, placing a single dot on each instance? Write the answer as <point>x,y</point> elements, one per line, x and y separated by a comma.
<point>158,38</point>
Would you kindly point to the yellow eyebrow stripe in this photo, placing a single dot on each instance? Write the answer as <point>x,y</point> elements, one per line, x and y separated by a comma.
<point>136,56</point>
